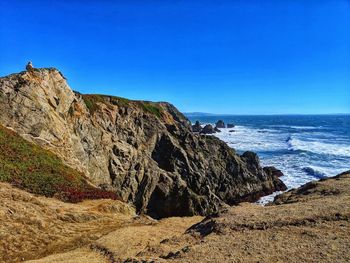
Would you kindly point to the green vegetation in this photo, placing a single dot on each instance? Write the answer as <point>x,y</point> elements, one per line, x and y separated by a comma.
<point>92,101</point>
<point>39,171</point>
<point>119,101</point>
<point>152,108</point>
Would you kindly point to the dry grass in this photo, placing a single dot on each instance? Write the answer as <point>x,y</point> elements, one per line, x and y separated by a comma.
<point>311,224</point>
<point>33,227</point>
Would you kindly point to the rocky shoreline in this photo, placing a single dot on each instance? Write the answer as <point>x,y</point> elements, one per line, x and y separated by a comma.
<point>209,129</point>
<point>145,152</point>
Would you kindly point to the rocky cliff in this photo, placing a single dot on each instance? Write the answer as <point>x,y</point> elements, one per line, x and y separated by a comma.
<point>143,151</point>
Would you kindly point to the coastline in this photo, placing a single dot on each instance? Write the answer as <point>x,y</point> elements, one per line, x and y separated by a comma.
<point>304,148</point>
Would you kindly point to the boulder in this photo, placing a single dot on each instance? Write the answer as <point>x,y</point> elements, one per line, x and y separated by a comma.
<point>220,124</point>
<point>208,129</point>
<point>230,125</point>
<point>197,127</point>
<point>273,171</point>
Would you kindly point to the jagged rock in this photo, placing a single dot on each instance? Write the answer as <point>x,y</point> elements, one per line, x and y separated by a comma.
<point>220,124</point>
<point>230,125</point>
<point>208,129</point>
<point>144,151</point>
<point>231,131</point>
<point>197,127</point>
<point>273,171</point>
<point>216,129</point>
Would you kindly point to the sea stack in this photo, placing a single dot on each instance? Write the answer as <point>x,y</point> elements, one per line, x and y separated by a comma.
<point>197,127</point>
<point>220,124</point>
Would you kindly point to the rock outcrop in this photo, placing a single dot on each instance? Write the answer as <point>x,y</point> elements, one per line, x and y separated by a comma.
<point>144,151</point>
<point>216,129</point>
<point>208,129</point>
<point>230,125</point>
<point>197,127</point>
<point>220,124</point>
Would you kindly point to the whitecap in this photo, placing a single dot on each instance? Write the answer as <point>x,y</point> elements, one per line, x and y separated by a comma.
<point>318,147</point>
<point>250,139</point>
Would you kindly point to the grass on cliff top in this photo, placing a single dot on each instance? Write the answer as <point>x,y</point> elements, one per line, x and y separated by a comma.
<point>92,100</point>
<point>29,167</point>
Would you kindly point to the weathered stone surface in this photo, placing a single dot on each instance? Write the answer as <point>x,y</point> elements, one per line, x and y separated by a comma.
<point>273,171</point>
<point>144,151</point>
<point>197,127</point>
<point>220,124</point>
<point>208,129</point>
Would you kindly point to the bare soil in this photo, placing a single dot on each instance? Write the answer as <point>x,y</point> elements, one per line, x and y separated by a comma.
<point>310,224</point>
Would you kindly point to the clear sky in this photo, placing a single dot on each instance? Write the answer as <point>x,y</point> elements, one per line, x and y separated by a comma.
<point>240,57</point>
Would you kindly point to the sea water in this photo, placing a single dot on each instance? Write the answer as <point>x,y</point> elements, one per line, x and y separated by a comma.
<point>303,147</point>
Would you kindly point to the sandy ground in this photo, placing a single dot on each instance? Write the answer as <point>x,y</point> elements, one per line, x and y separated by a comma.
<point>311,224</point>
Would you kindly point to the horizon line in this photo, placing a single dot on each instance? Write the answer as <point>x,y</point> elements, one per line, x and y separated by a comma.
<point>261,114</point>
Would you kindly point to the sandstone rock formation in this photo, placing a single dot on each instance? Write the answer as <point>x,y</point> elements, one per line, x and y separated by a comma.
<point>144,151</point>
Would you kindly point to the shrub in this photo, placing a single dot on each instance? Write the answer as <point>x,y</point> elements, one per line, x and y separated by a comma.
<point>91,102</point>
<point>151,108</point>
<point>29,167</point>
<point>119,101</point>
<point>75,195</point>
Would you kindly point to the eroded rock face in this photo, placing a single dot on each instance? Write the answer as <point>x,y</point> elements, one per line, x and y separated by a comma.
<point>144,151</point>
<point>220,124</point>
<point>197,127</point>
<point>208,129</point>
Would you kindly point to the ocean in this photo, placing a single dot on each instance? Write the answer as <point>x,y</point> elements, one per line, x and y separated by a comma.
<point>303,147</point>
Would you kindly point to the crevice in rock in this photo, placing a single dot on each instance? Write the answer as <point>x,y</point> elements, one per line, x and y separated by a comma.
<point>105,252</point>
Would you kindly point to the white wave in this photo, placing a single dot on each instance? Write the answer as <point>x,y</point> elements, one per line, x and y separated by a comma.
<point>293,167</point>
<point>305,127</point>
<point>295,127</point>
<point>268,198</point>
<point>318,147</point>
<point>249,139</point>
<point>312,155</point>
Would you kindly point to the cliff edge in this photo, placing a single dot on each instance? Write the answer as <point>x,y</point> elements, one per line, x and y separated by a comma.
<point>143,151</point>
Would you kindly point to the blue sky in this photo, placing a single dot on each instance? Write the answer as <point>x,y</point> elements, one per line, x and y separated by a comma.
<point>240,57</point>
